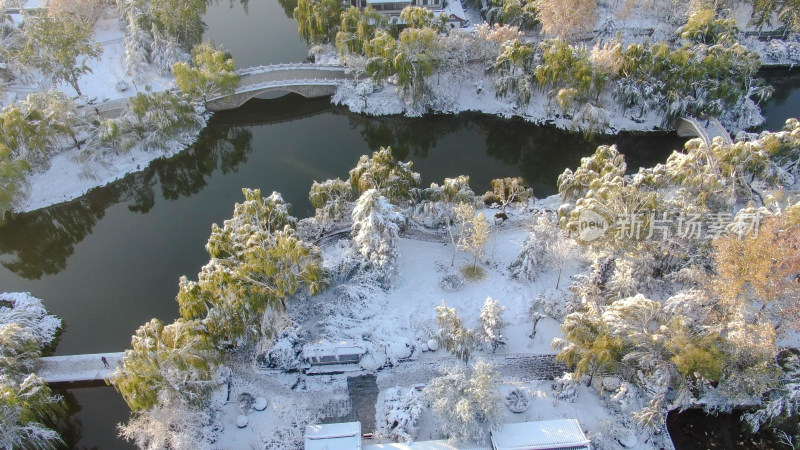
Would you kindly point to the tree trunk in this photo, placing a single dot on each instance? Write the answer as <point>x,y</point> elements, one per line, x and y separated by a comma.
<point>558,280</point>
<point>74,82</point>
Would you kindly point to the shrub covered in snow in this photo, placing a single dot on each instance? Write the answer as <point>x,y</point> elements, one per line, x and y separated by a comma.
<point>402,408</point>
<point>284,354</point>
<point>466,401</point>
<point>290,432</point>
<point>564,388</point>
<point>517,401</point>
<point>451,282</point>
<point>533,255</point>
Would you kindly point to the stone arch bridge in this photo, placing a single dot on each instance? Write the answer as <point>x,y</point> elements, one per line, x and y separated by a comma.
<point>308,80</point>
<point>705,129</point>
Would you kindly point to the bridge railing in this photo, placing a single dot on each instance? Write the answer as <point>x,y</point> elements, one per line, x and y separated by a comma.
<point>287,66</point>
<point>281,83</point>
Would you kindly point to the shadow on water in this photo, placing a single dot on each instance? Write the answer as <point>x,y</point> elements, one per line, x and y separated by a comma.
<point>39,243</point>
<point>693,429</point>
<point>82,400</point>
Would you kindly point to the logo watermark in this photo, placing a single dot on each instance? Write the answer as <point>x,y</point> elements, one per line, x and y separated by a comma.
<point>654,225</point>
<point>591,225</point>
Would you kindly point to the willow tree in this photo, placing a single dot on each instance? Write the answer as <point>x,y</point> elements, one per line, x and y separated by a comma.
<point>318,20</point>
<point>58,47</point>
<point>512,71</point>
<point>414,61</point>
<point>380,53</point>
<point>212,73</point>
<point>357,29</point>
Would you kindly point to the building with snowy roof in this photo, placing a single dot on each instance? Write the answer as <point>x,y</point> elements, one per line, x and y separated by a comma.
<point>333,436</point>
<point>332,353</point>
<point>395,6</point>
<point>564,434</point>
<point>422,445</point>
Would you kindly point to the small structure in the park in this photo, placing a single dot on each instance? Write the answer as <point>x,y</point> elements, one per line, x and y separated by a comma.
<point>422,445</point>
<point>332,353</point>
<point>334,436</point>
<point>541,435</point>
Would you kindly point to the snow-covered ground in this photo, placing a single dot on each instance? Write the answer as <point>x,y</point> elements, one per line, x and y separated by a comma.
<point>395,324</point>
<point>68,177</point>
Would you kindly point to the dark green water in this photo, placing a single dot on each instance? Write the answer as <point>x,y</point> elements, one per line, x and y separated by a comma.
<point>109,261</point>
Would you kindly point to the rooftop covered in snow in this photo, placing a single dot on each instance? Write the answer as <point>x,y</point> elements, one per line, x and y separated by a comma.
<point>333,436</point>
<point>422,445</point>
<point>541,435</point>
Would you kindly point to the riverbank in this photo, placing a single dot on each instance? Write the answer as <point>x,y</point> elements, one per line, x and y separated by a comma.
<point>470,91</point>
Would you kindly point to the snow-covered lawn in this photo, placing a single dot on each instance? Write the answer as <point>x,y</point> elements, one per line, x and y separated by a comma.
<point>69,178</point>
<point>396,324</point>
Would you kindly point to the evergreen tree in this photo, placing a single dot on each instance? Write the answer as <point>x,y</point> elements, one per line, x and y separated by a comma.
<point>392,178</point>
<point>138,45</point>
<point>167,365</point>
<point>257,264</point>
<point>452,335</point>
<point>492,323</point>
<point>330,199</point>
<point>375,230</point>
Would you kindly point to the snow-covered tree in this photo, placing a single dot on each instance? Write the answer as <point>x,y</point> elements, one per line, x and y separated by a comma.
<point>330,199</point>
<point>558,253</point>
<point>566,19</point>
<point>441,200</point>
<point>394,179</point>
<point>510,190</point>
<point>211,73</point>
<point>452,335</point>
<point>167,366</point>
<point>26,402</point>
<point>58,47</point>
<point>153,121</point>
<point>587,346</point>
<point>473,233</point>
<point>492,323</point>
<point>533,255</point>
<point>138,45</point>
<point>375,230</point>
<point>24,406</point>
<point>174,427</point>
<point>257,264</point>
<point>466,402</point>
<point>29,313</point>
<point>402,409</point>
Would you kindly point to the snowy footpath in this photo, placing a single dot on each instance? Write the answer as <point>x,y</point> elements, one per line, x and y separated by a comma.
<point>74,368</point>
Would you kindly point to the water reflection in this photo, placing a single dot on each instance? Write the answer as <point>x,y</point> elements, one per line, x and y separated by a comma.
<point>39,243</point>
